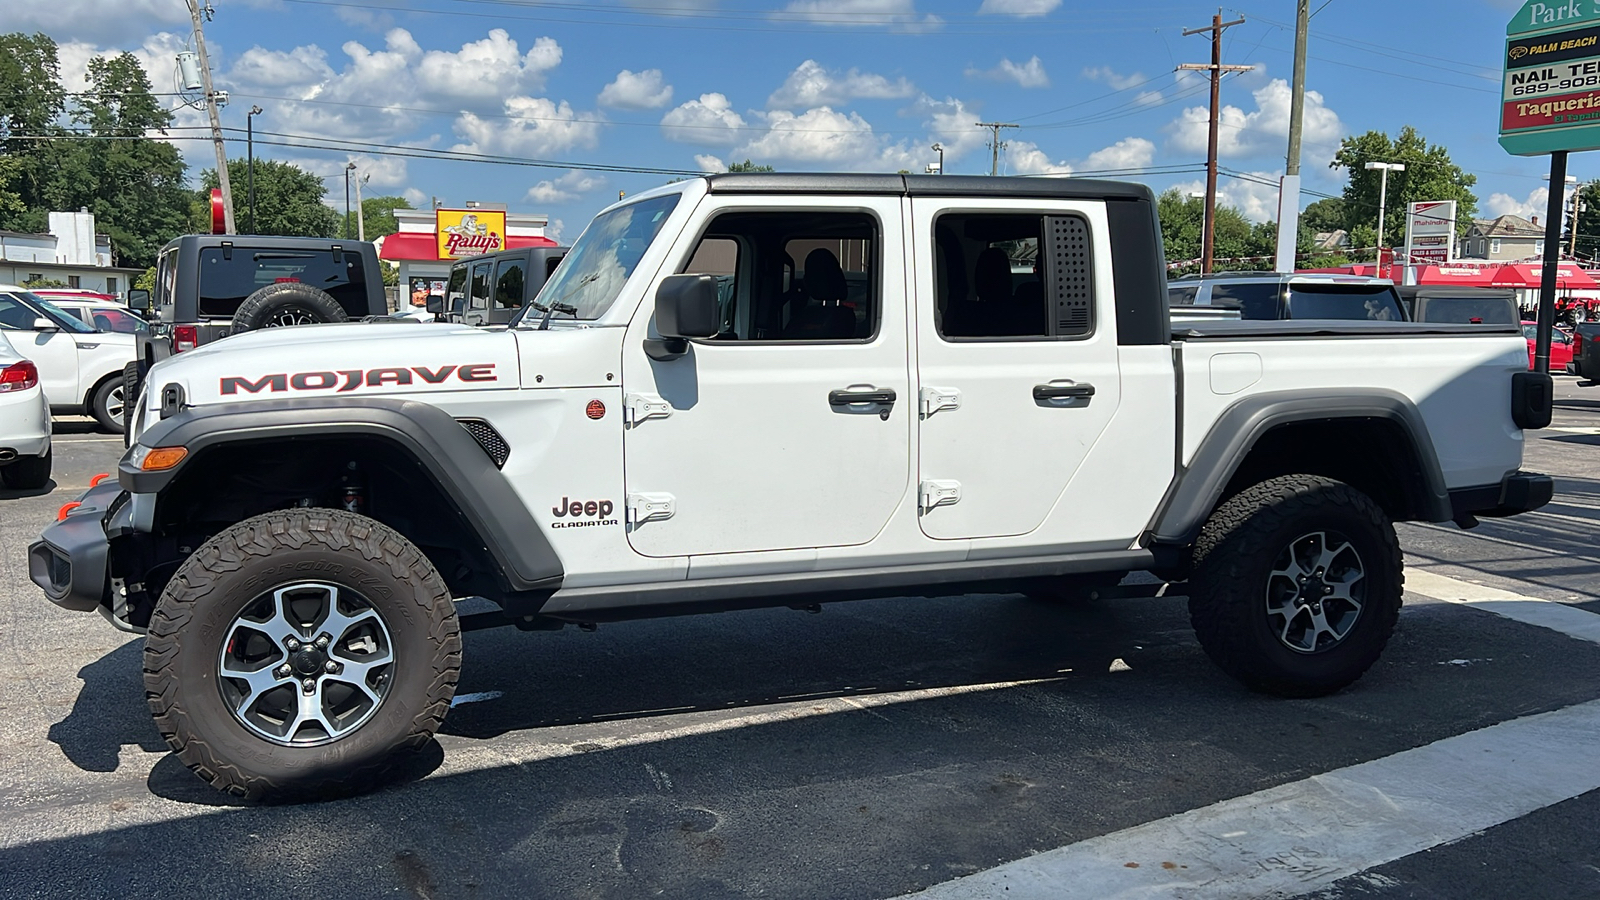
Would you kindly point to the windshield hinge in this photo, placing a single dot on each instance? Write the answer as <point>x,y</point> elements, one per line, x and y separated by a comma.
<point>938,493</point>
<point>934,399</point>
<point>649,507</point>
<point>638,407</point>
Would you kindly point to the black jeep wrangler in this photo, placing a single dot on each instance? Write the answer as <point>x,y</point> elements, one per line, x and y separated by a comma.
<point>209,286</point>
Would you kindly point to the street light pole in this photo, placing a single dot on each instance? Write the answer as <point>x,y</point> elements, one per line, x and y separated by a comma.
<point>250,160</point>
<point>939,148</point>
<point>1383,168</point>
<point>347,170</point>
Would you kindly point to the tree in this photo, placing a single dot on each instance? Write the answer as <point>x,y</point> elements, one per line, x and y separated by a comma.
<point>1237,243</point>
<point>378,215</point>
<point>748,166</point>
<point>1429,175</point>
<point>1588,223</point>
<point>1323,216</point>
<point>31,105</point>
<point>289,200</point>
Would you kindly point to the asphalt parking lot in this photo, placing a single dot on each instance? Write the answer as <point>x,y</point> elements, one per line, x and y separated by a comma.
<point>880,748</point>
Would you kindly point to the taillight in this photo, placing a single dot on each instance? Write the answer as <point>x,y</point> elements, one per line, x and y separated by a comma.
<point>19,377</point>
<point>1577,344</point>
<point>185,337</point>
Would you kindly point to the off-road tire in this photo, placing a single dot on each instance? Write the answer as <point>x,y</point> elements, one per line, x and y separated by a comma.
<point>27,473</point>
<point>132,382</point>
<point>263,308</point>
<point>104,397</point>
<point>1233,559</point>
<point>218,581</point>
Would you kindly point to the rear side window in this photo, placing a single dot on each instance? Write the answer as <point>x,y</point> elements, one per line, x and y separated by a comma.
<point>456,292</point>
<point>1253,299</point>
<point>510,281</point>
<point>1363,302</point>
<point>228,277</point>
<point>480,286</point>
<point>1012,276</point>
<point>1467,310</point>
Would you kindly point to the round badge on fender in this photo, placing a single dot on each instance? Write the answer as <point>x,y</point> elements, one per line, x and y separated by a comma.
<point>595,409</point>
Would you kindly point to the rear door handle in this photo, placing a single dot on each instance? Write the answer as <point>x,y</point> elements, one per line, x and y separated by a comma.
<point>1062,391</point>
<point>865,395</point>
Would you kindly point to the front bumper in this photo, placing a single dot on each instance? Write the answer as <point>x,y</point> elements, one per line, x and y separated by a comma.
<point>68,562</point>
<point>1518,492</point>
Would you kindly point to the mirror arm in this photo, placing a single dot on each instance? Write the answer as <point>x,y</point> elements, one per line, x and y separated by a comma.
<point>665,349</point>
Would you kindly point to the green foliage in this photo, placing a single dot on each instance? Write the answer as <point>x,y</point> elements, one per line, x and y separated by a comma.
<point>288,200</point>
<point>147,281</point>
<point>748,166</point>
<point>1588,223</point>
<point>45,283</point>
<point>379,215</point>
<point>1323,216</point>
<point>1429,175</point>
<point>1182,224</point>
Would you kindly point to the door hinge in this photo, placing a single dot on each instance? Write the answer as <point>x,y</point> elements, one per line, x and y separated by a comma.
<point>646,507</point>
<point>934,399</point>
<point>939,493</point>
<point>638,407</point>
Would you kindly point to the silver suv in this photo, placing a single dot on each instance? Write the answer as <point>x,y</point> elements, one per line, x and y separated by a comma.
<point>1276,295</point>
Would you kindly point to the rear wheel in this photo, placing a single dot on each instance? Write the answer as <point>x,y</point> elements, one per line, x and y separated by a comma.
<point>301,654</point>
<point>1296,585</point>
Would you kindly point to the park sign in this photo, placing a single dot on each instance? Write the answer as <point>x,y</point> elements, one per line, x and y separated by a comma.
<point>1550,99</point>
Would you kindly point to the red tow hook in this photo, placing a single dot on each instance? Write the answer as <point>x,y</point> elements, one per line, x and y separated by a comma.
<point>95,481</point>
<point>61,514</point>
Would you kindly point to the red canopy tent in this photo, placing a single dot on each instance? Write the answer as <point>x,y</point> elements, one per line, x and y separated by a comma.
<point>1457,275</point>
<point>1569,277</point>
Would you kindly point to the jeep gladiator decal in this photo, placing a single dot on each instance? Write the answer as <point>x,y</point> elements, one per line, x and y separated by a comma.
<point>598,511</point>
<point>355,378</point>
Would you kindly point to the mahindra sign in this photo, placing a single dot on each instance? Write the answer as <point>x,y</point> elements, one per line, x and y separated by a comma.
<point>469,232</point>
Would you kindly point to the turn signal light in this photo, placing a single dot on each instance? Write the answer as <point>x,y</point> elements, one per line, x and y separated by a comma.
<point>161,458</point>
<point>18,376</point>
<point>185,337</point>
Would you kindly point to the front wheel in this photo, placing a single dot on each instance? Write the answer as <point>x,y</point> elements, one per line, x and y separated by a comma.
<point>301,654</point>
<point>1296,585</point>
<point>109,404</point>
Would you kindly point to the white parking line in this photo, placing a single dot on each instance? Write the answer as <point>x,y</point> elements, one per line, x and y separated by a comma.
<point>1299,837</point>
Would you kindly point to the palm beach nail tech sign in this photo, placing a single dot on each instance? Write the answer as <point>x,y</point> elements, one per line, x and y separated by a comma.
<point>1551,93</point>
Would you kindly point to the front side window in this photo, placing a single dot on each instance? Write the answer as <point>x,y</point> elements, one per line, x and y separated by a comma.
<point>456,292</point>
<point>229,275</point>
<point>592,274</point>
<point>792,276</point>
<point>1253,299</point>
<point>1012,275</point>
<point>479,298</point>
<point>510,280</point>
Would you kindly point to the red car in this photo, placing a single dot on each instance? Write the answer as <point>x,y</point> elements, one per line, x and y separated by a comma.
<point>1560,346</point>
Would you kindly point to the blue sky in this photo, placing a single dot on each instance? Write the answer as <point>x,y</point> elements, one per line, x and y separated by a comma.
<point>811,85</point>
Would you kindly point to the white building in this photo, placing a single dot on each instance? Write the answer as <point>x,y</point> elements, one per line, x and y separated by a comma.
<point>72,253</point>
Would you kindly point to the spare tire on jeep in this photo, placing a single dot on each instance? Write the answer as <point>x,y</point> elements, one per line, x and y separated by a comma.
<point>287,303</point>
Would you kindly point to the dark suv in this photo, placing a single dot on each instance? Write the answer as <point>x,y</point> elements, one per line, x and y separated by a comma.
<point>209,286</point>
<point>494,288</point>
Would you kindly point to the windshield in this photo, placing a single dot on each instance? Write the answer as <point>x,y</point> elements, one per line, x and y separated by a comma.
<point>67,321</point>
<point>592,274</point>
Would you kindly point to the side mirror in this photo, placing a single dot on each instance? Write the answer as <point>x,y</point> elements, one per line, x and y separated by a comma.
<point>43,324</point>
<point>686,307</point>
<point>435,304</point>
<point>139,299</point>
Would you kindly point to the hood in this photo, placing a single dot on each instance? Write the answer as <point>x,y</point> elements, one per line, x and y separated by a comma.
<point>350,359</point>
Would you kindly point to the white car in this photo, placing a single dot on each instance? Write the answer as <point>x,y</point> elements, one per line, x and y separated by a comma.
<point>24,423</point>
<point>92,309</point>
<point>79,368</point>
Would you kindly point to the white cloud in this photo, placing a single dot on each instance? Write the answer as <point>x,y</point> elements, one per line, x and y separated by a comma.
<point>487,69</point>
<point>1030,74</point>
<point>818,135</point>
<point>1022,8</point>
<point>1262,132</point>
<point>1505,204</point>
<point>811,85</point>
<point>416,198</point>
<point>708,163</point>
<point>92,20</point>
<point>1025,158</point>
<point>1128,153</point>
<point>262,68</point>
<point>565,189</point>
<point>636,90</point>
<point>1111,78</point>
<point>900,15</point>
<point>709,121</point>
<point>534,126</point>
<point>1255,201</point>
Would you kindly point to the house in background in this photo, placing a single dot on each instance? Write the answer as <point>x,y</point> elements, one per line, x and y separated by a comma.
<point>1505,238</point>
<point>72,253</point>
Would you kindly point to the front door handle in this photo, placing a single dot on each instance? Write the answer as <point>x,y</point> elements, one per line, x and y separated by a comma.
<point>1071,391</point>
<point>865,395</point>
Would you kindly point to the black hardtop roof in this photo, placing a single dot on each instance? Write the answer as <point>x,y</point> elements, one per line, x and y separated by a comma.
<point>926,185</point>
<point>270,242</point>
<point>1454,291</point>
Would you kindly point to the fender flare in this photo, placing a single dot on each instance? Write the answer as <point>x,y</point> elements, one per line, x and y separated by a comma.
<point>458,466</point>
<point>1199,486</point>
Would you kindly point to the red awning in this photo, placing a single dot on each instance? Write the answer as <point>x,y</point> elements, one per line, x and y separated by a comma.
<point>1460,276</point>
<point>1527,275</point>
<point>422,247</point>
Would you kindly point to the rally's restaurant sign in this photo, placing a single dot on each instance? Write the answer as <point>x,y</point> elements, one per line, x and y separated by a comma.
<point>469,232</point>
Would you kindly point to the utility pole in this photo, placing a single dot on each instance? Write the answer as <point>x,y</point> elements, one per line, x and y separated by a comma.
<point>1289,188</point>
<point>1216,68</point>
<point>994,146</point>
<point>216,120</point>
<point>361,211</point>
<point>349,167</point>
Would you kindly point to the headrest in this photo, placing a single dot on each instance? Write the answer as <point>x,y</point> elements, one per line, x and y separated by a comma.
<point>824,280</point>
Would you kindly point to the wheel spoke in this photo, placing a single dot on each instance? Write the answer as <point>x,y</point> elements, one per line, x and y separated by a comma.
<point>337,624</point>
<point>1325,561</point>
<point>259,682</point>
<point>309,710</point>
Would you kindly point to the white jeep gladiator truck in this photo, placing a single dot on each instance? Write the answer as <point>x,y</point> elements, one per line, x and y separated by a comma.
<point>772,390</point>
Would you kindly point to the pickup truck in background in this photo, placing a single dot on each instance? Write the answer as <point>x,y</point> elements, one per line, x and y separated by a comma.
<point>774,390</point>
<point>1586,353</point>
<point>1275,295</point>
